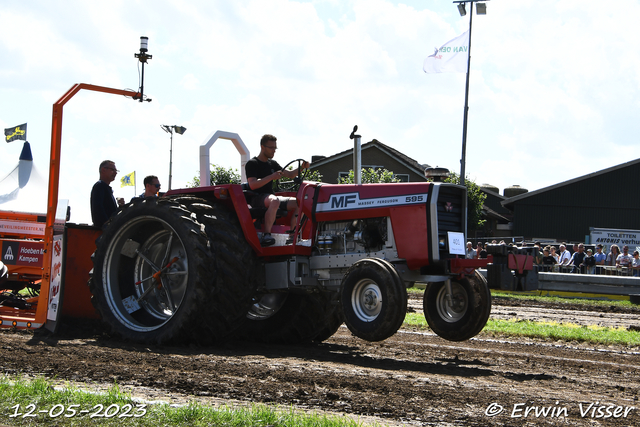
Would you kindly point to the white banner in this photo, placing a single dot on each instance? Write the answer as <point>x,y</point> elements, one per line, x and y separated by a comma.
<point>55,279</point>
<point>452,57</point>
<point>24,228</point>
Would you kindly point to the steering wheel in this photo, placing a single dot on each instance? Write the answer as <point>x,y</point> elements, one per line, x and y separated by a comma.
<point>294,184</point>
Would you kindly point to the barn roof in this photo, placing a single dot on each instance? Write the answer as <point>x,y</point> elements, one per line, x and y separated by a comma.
<point>520,197</point>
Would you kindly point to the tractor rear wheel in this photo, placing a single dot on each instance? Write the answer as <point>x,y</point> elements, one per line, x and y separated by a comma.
<point>334,320</point>
<point>157,277</point>
<point>238,269</point>
<point>465,315</point>
<point>291,318</point>
<point>374,299</point>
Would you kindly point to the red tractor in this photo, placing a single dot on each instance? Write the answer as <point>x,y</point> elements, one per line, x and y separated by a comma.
<point>189,266</point>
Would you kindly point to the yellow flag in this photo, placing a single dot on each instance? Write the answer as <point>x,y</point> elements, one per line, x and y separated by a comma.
<point>128,180</point>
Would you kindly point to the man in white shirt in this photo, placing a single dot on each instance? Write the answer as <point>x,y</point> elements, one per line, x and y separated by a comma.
<point>470,253</point>
<point>624,259</point>
<point>565,256</point>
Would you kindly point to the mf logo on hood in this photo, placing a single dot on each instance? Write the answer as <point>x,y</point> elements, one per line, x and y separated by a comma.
<point>346,201</point>
<point>448,206</point>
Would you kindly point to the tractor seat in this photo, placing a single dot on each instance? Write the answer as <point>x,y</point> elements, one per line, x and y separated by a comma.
<point>258,213</point>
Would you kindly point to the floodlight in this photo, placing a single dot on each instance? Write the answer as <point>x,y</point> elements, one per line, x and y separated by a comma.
<point>481,8</point>
<point>462,9</point>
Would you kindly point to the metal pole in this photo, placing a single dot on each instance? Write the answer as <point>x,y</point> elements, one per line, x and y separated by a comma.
<point>357,156</point>
<point>357,160</point>
<point>142,83</point>
<point>466,106</point>
<point>170,157</point>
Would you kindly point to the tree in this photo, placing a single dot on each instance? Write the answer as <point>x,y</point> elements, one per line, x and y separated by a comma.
<point>221,175</point>
<point>370,176</point>
<point>218,175</point>
<point>475,200</point>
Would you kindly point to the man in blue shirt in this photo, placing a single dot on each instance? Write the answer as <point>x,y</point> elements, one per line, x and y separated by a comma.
<point>599,256</point>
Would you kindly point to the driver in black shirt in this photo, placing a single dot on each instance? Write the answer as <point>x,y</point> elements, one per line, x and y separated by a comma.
<point>261,171</point>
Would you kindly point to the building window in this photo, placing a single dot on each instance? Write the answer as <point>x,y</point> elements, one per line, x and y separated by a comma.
<point>402,177</point>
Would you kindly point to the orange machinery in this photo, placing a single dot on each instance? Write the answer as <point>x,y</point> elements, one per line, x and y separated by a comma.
<point>51,255</point>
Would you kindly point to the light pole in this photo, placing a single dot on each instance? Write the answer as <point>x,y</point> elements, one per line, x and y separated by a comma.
<point>143,56</point>
<point>481,9</point>
<point>170,129</point>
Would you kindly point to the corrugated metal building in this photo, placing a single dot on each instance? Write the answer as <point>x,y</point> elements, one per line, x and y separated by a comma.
<point>565,211</point>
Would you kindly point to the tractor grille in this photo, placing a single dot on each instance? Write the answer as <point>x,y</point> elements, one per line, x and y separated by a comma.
<point>451,208</point>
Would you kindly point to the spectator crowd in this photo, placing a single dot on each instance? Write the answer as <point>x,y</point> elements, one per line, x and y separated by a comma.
<point>560,259</point>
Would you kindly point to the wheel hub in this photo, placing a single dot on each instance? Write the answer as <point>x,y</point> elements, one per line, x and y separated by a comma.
<point>152,290</point>
<point>452,311</point>
<point>367,300</point>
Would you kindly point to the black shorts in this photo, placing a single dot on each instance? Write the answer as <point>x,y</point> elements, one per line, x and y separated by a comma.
<point>258,201</point>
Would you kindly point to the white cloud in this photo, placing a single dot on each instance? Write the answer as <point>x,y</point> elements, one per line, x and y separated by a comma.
<point>554,84</point>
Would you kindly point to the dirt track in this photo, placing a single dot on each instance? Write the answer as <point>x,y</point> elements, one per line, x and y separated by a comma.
<point>412,378</point>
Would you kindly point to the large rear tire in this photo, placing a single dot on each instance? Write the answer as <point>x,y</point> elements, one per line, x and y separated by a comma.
<point>374,299</point>
<point>157,277</point>
<point>463,317</point>
<point>291,318</point>
<point>238,269</point>
<point>334,319</point>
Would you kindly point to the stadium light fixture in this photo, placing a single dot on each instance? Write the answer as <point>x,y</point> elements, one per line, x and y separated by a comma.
<point>170,129</point>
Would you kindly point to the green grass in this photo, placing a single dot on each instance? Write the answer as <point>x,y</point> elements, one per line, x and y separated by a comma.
<point>560,300</point>
<point>496,294</point>
<point>546,330</point>
<point>16,394</point>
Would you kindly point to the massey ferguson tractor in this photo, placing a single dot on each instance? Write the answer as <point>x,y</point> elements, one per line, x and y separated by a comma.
<point>189,267</point>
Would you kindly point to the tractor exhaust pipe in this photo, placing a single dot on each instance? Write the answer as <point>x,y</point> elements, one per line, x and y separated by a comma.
<point>357,158</point>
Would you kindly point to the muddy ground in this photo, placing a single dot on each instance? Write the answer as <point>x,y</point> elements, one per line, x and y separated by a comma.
<point>413,378</point>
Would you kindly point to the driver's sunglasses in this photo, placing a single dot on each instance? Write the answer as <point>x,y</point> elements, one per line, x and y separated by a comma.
<point>156,185</point>
<point>275,147</point>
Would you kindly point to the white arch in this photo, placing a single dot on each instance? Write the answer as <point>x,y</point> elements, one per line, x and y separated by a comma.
<point>205,171</point>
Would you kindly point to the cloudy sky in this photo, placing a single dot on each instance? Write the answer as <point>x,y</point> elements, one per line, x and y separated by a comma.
<point>553,94</point>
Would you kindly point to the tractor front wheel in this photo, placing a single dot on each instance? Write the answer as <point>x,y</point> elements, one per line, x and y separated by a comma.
<point>461,315</point>
<point>374,299</point>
